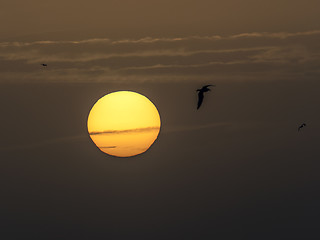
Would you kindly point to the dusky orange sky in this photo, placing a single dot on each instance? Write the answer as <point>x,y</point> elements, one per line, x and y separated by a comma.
<point>237,168</point>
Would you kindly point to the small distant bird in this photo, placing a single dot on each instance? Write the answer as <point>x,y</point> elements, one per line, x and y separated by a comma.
<point>301,126</point>
<point>44,64</point>
<point>200,94</point>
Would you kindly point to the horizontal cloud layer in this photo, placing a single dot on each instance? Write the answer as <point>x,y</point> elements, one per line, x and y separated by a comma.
<point>245,56</point>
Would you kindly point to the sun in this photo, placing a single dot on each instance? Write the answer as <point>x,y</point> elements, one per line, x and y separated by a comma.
<point>124,123</point>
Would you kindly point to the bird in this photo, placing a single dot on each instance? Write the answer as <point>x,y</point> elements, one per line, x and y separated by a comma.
<point>301,126</point>
<point>201,95</point>
<point>44,64</point>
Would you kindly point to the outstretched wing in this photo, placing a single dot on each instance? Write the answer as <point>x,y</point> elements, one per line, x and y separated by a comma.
<point>200,99</point>
<point>208,86</point>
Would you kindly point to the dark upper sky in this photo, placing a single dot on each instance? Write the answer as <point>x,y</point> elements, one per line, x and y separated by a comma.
<point>235,169</point>
<point>145,17</point>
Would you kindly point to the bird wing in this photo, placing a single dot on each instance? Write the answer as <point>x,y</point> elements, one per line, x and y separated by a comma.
<point>200,99</point>
<point>301,126</point>
<point>208,86</point>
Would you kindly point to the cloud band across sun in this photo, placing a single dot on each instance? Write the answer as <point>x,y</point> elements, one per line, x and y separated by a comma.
<point>136,130</point>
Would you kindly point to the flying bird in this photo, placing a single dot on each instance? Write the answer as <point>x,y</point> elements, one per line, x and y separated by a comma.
<point>301,126</point>
<point>201,95</point>
<point>44,64</point>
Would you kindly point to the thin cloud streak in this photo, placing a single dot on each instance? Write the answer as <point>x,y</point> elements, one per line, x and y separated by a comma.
<point>176,129</point>
<point>159,66</point>
<point>44,143</point>
<point>279,35</point>
<point>148,40</point>
<point>135,130</point>
<point>36,57</point>
<point>26,44</point>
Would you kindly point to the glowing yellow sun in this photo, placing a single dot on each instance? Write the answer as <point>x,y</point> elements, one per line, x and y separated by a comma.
<point>123,123</point>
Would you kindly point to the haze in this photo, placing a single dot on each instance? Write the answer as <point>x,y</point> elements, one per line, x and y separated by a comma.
<point>237,168</point>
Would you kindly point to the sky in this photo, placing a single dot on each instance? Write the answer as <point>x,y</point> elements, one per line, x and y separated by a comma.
<point>237,168</point>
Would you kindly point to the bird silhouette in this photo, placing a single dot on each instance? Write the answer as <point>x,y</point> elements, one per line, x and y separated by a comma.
<point>301,126</point>
<point>44,64</point>
<point>201,95</point>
